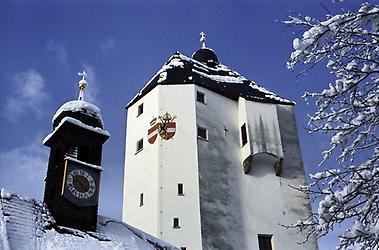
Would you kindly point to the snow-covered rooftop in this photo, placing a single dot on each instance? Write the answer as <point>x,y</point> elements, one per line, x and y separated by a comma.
<point>210,74</point>
<point>79,106</point>
<point>77,123</point>
<point>27,224</point>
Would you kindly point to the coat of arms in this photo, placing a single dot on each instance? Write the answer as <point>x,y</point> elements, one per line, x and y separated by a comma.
<point>164,126</point>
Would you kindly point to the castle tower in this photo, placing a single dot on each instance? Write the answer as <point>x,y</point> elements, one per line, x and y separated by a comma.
<point>74,168</point>
<point>209,159</point>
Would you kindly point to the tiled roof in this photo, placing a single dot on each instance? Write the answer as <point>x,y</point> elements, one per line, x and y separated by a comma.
<point>210,74</point>
<point>27,224</point>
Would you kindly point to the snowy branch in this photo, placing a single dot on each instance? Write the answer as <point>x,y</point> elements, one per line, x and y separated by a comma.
<point>347,111</point>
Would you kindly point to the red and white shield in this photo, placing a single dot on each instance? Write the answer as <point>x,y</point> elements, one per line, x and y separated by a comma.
<point>152,133</point>
<point>167,130</point>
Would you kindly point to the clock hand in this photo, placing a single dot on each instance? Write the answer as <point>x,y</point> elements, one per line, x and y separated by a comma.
<point>81,185</point>
<point>79,182</point>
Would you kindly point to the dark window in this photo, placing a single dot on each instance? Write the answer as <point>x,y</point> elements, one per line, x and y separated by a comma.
<point>244,134</point>
<point>183,248</point>
<point>141,200</point>
<point>139,145</point>
<point>84,154</point>
<point>180,189</point>
<point>264,241</point>
<point>176,223</point>
<point>140,109</point>
<point>202,133</point>
<point>200,97</point>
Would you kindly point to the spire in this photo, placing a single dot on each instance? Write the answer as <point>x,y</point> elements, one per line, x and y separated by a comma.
<point>202,39</point>
<point>82,84</point>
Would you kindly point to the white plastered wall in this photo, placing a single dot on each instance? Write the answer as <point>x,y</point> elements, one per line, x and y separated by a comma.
<point>141,169</point>
<point>178,157</point>
<point>236,207</point>
<point>168,162</point>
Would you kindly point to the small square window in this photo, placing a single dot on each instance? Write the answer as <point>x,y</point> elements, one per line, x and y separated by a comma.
<point>176,223</point>
<point>140,109</point>
<point>200,97</point>
<point>244,134</point>
<point>180,189</point>
<point>141,200</point>
<point>202,133</point>
<point>139,145</point>
<point>264,241</point>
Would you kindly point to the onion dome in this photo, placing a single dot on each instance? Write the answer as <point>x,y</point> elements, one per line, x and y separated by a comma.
<point>80,110</point>
<point>205,55</point>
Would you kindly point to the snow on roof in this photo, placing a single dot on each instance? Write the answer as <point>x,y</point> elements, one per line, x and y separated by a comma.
<point>181,69</point>
<point>84,163</point>
<point>28,224</point>
<point>77,123</point>
<point>79,106</point>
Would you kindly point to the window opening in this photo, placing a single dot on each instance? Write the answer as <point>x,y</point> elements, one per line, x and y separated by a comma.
<point>141,200</point>
<point>200,97</point>
<point>139,145</point>
<point>244,134</point>
<point>264,241</point>
<point>140,109</point>
<point>176,223</point>
<point>180,189</point>
<point>202,133</point>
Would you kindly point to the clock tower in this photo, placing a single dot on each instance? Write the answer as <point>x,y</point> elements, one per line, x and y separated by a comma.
<point>74,168</point>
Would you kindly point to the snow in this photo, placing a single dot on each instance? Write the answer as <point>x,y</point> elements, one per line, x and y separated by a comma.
<point>3,230</point>
<point>4,194</point>
<point>77,123</point>
<point>84,163</point>
<point>347,111</point>
<point>269,94</point>
<point>79,106</point>
<point>218,78</point>
<point>337,138</point>
<point>162,77</point>
<point>27,224</point>
<point>219,73</point>
<point>119,231</point>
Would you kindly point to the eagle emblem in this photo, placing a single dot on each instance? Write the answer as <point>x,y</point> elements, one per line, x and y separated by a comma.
<point>164,126</point>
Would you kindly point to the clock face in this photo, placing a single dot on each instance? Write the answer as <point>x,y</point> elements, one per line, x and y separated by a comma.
<point>81,184</point>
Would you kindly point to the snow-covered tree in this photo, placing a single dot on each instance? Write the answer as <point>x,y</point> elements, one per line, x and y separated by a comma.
<point>348,193</point>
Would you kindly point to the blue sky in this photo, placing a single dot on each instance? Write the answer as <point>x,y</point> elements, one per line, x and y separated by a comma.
<point>121,44</point>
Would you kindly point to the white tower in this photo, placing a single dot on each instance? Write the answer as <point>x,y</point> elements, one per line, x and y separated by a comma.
<point>209,159</point>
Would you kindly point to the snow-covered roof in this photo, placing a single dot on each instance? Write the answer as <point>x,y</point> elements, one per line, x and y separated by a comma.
<point>83,163</point>
<point>77,123</point>
<point>27,224</point>
<point>79,106</point>
<point>210,74</point>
